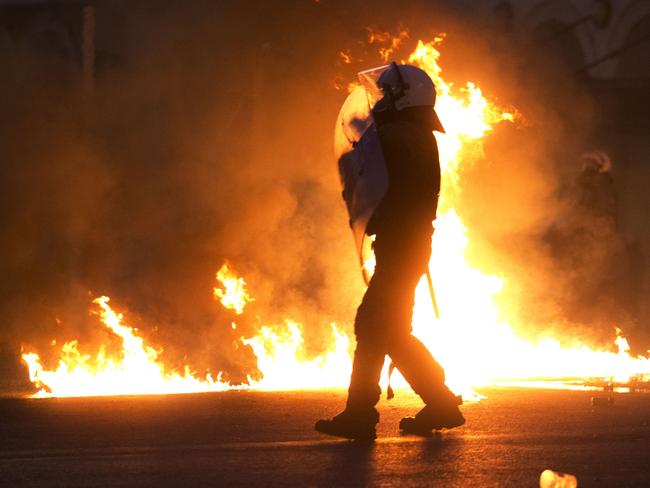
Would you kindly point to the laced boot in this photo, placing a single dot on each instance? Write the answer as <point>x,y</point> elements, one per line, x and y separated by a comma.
<point>351,425</point>
<point>443,415</point>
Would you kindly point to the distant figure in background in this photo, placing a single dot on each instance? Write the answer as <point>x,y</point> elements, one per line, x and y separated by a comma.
<point>596,192</point>
<point>588,244</point>
<point>401,142</point>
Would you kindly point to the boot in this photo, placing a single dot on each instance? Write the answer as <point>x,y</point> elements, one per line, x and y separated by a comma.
<point>445,415</point>
<point>351,425</point>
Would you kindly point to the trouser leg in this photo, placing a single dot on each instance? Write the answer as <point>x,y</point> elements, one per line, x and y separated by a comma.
<point>420,370</point>
<point>364,390</point>
<point>383,323</point>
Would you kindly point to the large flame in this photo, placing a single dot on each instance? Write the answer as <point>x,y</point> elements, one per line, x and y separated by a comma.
<point>279,359</point>
<point>465,296</point>
<point>136,371</point>
<point>469,340</point>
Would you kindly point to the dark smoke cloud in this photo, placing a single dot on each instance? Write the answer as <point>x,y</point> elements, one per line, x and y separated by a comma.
<point>209,138</point>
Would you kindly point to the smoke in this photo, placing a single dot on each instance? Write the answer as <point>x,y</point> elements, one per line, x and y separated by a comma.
<point>208,138</point>
<point>537,215</point>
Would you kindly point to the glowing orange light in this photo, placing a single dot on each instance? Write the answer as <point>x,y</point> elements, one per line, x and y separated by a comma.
<point>471,340</point>
<point>233,295</point>
<point>135,371</point>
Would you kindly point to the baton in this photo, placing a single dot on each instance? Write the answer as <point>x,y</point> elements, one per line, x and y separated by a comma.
<point>433,295</point>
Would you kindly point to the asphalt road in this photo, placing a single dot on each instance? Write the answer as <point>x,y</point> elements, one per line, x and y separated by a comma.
<point>267,439</point>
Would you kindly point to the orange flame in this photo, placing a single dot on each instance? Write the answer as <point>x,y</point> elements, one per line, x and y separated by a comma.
<point>233,296</point>
<point>279,360</point>
<point>137,372</point>
<point>345,57</point>
<point>389,42</point>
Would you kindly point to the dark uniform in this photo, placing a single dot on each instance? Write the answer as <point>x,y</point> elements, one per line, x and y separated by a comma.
<point>402,225</point>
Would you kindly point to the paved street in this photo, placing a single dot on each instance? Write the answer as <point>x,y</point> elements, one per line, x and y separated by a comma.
<point>267,439</point>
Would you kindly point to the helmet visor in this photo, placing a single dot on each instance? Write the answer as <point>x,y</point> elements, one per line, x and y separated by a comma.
<point>368,79</point>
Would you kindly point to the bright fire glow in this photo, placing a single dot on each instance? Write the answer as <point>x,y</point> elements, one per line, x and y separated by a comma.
<point>279,360</point>
<point>470,340</point>
<point>233,296</point>
<point>136,372</point>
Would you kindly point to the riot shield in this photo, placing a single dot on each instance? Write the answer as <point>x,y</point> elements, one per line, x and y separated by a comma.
<point>361,166</point>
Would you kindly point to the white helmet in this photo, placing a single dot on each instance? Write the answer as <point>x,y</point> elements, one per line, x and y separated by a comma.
<point>399,86</point>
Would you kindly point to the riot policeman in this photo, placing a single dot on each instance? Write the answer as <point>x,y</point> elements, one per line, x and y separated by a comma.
<point>390,172</point>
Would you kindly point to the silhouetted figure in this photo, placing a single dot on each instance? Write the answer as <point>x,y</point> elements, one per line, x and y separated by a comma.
<point>589,247</point>
<point>402,223</point>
